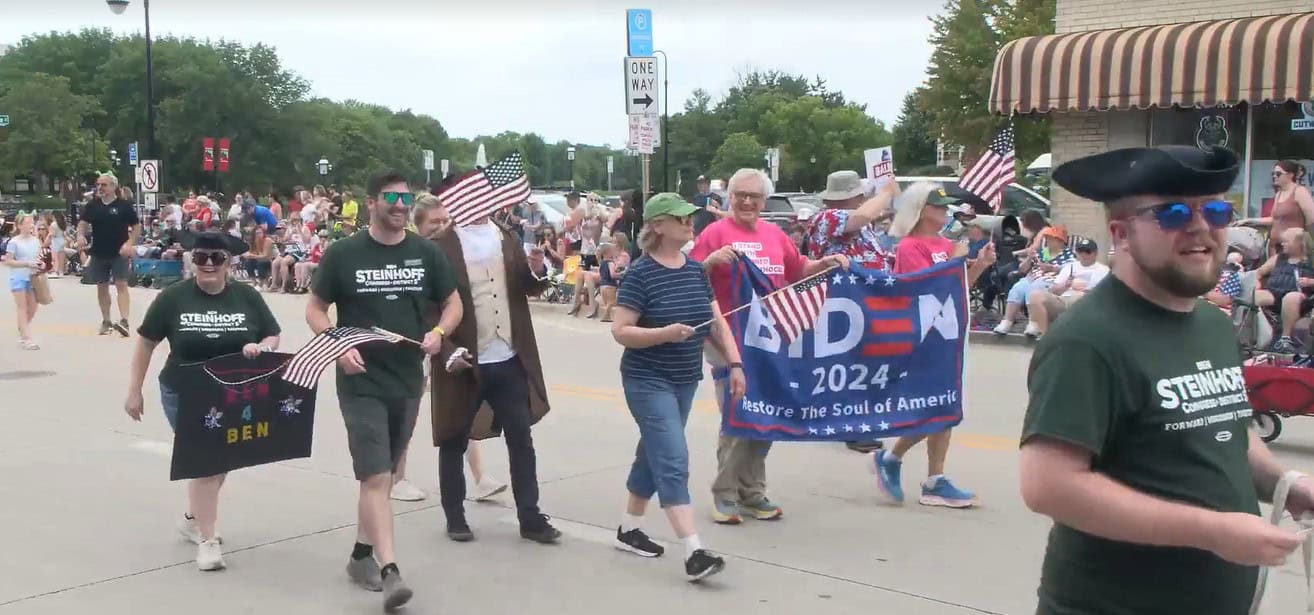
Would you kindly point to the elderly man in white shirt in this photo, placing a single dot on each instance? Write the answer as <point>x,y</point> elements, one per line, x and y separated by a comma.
<point>1073,281</point>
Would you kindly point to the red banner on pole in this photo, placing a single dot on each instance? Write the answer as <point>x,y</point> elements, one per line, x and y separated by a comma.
<point>207,154</point>
<point>223,155</point>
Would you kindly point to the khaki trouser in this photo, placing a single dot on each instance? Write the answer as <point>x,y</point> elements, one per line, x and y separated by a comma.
<point>740,462</point>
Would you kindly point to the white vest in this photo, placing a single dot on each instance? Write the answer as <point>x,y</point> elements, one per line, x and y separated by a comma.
<point>487,272</point>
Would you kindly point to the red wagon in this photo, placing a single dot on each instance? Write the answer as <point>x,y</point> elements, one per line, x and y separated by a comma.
<point>1277,390</point>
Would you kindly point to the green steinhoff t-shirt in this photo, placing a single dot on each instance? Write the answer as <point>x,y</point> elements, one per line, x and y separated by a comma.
<point>201,326</point>
<point>1157,396</point>
<point>374,284</point>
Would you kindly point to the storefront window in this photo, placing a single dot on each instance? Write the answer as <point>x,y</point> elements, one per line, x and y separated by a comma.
<point>1203,128</point>
<point>1282,132</point>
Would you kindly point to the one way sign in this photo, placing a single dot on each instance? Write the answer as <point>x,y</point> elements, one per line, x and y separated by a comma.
<point>642,92</point>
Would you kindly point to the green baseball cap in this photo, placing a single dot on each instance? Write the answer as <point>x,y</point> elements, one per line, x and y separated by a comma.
<point>938,197</point>
<point>667,204</point>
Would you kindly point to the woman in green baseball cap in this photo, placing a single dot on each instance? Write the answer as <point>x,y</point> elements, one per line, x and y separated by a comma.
<point>660,309</point>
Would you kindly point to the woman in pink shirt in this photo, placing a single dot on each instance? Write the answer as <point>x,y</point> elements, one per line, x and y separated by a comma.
<point>741,463</point>
<point>921,213</point>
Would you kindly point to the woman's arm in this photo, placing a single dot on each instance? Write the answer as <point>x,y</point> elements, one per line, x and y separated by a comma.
<point>141,361</point>
<point>722,338</point>
<point>1306,203</point>
<point>627,332</point>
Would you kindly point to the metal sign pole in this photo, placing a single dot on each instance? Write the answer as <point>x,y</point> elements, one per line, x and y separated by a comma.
<point>646,177</point>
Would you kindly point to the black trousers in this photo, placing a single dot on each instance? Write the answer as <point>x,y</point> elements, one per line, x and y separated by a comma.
<point>505,387</point>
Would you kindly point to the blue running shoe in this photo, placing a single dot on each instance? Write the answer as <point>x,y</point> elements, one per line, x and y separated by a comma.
<point>888,474</point>
<point>944,493</point>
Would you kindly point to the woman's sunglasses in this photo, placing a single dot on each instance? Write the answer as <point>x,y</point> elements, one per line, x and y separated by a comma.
<point>209,258</point>
<point>1175,216</point>
<point>406,198</point>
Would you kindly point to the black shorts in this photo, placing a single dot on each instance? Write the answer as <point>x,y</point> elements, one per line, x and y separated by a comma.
<point>588,261</point>
<point>105,269</point>
<point>377,431</point>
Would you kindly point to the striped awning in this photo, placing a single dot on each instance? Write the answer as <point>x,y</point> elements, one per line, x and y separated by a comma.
<point>1205,63</point>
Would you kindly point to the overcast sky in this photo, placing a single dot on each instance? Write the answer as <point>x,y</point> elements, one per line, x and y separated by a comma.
<point>553,67</point>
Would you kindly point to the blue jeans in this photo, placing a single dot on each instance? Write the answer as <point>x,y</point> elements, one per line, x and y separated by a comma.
<point>1021,291</point>
<point>169,402</point>
<point>661,460</point>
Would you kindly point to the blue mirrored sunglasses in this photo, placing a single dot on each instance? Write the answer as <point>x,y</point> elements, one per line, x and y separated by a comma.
<point>1175,216</point>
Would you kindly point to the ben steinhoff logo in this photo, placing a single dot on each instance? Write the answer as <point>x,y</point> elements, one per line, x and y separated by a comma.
<point>211,319</point>
<point>1307,122</point>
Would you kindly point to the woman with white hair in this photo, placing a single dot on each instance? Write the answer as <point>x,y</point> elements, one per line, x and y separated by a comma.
<point>741,463</point>
<point>920,214</point>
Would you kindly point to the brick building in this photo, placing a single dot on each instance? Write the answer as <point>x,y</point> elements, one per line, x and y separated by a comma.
<point>1126,73</point>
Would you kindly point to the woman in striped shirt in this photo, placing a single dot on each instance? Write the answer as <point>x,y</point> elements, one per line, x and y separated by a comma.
<point>662,302</point>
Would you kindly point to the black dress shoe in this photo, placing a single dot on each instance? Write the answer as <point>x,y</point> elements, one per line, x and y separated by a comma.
<point>459,532</point>
<point>538,529</point>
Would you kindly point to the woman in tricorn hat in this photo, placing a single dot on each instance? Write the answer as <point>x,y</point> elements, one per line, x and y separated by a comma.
<point>256,332</point>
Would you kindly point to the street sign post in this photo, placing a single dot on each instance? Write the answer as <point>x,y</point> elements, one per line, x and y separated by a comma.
<point>428,164</point>
<point>611,168</point>
<point>638,32</point>
<point>150,176</point>
<point>151,201</point>
<point>4,121</point>
<point>773,162</point>
<point>132,153</point>
<point>446,165</point>
<point>642,92</point>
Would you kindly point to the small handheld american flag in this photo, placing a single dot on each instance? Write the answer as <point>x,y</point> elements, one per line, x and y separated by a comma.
<point>796,308</point>
<point>993,170</point>
<point>482,192</point>
<point>305,367</point>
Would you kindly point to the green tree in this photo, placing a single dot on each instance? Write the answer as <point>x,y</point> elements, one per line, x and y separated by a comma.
<point>1019,19</point>
<point>740,150</point>
<point>914,135</point>
<point>960,72</point>
<point>816,140</point>
<point>45,136</point>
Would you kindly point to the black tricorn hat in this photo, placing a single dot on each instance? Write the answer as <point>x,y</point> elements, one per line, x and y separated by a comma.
<point>1168,170</point>
<point>212,240</point>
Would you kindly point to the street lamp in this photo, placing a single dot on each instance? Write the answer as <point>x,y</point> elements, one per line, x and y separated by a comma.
<point>117,7</point>
<point>570,155</point>
<point>324,167</point>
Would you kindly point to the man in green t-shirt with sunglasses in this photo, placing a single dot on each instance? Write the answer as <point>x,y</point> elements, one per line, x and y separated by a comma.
<point>384,277</point>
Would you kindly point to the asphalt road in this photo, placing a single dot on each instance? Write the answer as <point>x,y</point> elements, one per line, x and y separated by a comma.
<point>89,510</point>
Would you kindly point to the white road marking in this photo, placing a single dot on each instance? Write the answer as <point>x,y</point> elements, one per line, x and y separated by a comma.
<point>164,449</point>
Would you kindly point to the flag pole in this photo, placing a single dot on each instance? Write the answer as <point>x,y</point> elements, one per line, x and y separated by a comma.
<point>784,288</point>
<point>396,337</point>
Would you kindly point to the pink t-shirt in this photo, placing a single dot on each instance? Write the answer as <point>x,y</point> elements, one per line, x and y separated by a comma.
<point>918,253</point>
<point>768,247</point>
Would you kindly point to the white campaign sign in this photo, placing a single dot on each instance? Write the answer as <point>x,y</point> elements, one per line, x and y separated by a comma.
<point>642,91</point>
<point>644,131</point>
<point>150,175</point>
<point>880,166</point>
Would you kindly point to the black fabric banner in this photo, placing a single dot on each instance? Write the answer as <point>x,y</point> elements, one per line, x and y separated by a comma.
<point>235,412</point>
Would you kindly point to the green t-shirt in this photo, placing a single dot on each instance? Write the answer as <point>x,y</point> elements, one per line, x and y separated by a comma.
<point>378,285</point>
<point>201,326</point>
<point>1158,398</point>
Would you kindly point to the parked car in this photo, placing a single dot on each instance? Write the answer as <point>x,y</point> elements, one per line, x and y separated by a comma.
<point>786,209</point>
<point>554,208</point>
<point>1017,198</point>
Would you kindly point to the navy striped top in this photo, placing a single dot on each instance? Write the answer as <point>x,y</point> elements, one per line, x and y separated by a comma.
<point>663,296</point>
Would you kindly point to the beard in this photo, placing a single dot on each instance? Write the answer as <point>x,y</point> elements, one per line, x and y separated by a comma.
<point>1179,283</point>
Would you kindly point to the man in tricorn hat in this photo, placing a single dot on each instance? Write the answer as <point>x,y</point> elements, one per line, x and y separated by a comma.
<point>1135,440</point>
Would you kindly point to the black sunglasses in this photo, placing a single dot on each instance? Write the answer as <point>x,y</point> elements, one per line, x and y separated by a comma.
<point>406,198</point>
<point>212,258</point>
<point>1175,216</point>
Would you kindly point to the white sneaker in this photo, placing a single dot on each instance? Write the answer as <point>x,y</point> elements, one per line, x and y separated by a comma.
<point>1033,330</point>
<point>486,489</point>
<point>209,556</point>
<point>188,530</point>
<point>1004,328</point>
<point>405,491</point>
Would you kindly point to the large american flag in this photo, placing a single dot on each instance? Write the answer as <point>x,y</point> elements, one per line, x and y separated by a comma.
<point>993,170</point>
<point>482,192</point>
<point>795,308</point>
<point>304,368</point>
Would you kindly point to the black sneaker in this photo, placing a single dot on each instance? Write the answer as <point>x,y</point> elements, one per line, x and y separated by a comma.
<point>638,543</point>
<point>702,564</point>
<point>538,529</point>
<point>459,532</point>
<point>865,447</point>
<point>106,327</point>
<point>122,327</point>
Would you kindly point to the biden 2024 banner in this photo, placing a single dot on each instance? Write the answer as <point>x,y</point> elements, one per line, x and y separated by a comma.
<point>235,412</point>
<point>885,358</point>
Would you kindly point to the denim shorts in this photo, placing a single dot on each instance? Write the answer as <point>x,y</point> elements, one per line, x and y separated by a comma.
<point>169,401</point>
<point>20,285</point>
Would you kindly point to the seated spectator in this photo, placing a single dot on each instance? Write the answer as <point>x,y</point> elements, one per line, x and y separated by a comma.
<point>1040,270</point>
<point>1228,288</point>
<point>1073,281</point>
<point>258,260</point>
<point>1288,283</point>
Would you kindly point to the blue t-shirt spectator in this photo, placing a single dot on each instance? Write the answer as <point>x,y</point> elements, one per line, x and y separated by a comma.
<point>662,296</point>
<point>261,215</point>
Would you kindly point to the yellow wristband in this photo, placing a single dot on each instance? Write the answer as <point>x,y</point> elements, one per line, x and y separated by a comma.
<point>439,330</point>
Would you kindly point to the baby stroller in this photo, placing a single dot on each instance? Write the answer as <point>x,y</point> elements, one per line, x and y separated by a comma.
<point>1008,238</point>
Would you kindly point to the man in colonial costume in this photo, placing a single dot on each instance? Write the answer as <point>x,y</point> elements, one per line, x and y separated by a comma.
<point>488,379</point>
